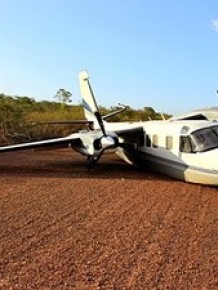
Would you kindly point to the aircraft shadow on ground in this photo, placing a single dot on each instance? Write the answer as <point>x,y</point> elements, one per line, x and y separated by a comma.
<point>77,169</point>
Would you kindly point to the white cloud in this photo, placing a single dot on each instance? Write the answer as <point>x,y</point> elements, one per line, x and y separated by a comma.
<point>215,24</point>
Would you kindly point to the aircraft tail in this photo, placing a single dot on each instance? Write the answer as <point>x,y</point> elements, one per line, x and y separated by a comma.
<point>88,99</point>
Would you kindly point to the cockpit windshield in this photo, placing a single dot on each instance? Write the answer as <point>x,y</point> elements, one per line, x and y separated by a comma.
<point>205,139</point>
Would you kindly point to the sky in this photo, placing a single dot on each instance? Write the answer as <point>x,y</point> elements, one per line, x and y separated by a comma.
<point>158,53</point>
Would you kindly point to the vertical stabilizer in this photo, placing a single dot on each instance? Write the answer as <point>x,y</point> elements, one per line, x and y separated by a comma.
<point>88,99</point>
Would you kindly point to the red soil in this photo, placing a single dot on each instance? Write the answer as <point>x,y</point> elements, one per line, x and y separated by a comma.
<point>114,227</point>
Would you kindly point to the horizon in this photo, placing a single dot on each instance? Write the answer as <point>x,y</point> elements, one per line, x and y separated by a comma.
<point>142,53</point>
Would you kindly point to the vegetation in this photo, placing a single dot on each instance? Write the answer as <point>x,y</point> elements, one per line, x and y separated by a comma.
<point>64,97</point>
<point>19,117</point>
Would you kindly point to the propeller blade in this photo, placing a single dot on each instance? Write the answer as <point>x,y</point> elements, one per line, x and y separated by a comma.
<point>100,122</point>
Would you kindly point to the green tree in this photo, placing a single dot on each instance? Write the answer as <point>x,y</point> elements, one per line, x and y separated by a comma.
<point>64,97</point>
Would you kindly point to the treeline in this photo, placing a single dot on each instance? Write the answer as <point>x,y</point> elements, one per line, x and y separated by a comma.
<point>19,117</point>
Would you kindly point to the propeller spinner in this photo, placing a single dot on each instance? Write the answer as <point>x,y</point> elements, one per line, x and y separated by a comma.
<point>101,144</point>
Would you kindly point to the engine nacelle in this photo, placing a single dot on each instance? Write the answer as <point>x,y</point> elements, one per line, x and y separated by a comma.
<point>93,143</point>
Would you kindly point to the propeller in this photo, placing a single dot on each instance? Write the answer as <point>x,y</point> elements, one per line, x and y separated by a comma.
<point>100,122</point>
<point>106,141</point>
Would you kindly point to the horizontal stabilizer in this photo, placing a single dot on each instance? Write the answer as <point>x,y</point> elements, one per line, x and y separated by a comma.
<point>122,109</point>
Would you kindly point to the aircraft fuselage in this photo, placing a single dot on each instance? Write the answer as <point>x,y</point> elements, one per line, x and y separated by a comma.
<point>186,150</point>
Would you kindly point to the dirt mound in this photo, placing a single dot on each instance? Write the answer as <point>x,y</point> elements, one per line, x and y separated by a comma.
<point>113,227</point>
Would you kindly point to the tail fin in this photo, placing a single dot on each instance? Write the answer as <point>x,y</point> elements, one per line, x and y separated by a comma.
<point>88,100</point>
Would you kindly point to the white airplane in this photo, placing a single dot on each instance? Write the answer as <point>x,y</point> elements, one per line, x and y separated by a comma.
<point>184,148</point>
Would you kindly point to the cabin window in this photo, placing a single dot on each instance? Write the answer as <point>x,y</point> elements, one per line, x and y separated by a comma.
<point>148,141</point>
<point>155,141</point>
<point>215,129</point>
<point>185,144</point>
<point>169,142</point>
<point>205,139</point>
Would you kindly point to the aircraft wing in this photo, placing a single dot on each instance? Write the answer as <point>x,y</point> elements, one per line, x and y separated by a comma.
<point>73,139</point>
<point>131,135</point>
<point>130,131</point>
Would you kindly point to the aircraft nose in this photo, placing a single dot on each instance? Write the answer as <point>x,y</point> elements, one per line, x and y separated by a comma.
<point>211,160</point>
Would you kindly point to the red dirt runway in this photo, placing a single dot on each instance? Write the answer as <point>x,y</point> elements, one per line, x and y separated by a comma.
<point>114,227</point>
